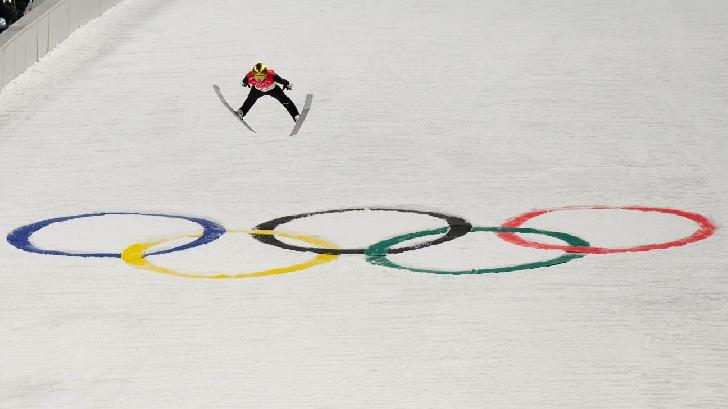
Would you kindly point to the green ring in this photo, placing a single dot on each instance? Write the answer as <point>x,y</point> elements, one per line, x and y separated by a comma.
<point>377,253</point>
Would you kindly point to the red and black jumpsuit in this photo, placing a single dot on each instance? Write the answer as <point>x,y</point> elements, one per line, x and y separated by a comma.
<point>267,87</point>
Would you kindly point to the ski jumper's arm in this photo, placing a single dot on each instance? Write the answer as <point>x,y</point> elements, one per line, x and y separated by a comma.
<point>245,80</point>
<point>277,78</point>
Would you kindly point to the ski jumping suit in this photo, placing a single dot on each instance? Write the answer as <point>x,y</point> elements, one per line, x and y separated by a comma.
<point>267,87</point>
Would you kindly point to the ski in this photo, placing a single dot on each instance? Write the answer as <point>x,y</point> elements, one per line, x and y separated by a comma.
<point>222,99</point>
<point>304,112</point>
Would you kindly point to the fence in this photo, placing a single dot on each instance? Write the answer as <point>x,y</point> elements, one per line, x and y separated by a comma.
<point>50,22</point>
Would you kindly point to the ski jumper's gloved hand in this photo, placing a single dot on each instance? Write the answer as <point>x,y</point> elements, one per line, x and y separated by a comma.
<point>245,82</point>
<point>288,86</point>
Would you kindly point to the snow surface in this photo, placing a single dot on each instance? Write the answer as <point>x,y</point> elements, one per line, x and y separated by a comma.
<point>481,109</point>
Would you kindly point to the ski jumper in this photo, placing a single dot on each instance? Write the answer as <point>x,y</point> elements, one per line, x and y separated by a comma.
<point>269,86</point>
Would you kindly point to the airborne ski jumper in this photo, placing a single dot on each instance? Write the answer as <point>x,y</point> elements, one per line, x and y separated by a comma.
<point>264,81</point>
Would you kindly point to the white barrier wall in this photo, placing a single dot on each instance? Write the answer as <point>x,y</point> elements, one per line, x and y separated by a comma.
<point>31,37</point>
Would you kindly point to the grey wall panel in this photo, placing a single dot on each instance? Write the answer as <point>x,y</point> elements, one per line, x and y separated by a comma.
<point>95,9</point>
<point>77,14</point>
<point>2,75</point>
<point>74,15</point>
<point>58,24</point>
<point>31,44</point>
<point>8,63</point>
<point>42,36</point>
<point>53,29</point>
<point>64,13</point>
<point>106,4</point>
<point>84,9</point>
<point>19,52</point>
<point>90,10</point>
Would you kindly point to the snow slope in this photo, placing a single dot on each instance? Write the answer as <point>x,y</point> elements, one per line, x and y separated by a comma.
<point>478,109</point>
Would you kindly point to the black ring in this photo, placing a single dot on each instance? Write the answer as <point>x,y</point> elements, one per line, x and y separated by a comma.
<point>458,227</point>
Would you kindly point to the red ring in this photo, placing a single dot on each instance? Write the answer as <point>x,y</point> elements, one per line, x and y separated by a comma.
<point>705,229</point>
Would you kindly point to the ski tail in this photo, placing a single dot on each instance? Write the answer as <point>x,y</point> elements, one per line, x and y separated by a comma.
<point>304,113</point>
<point>222,99</point>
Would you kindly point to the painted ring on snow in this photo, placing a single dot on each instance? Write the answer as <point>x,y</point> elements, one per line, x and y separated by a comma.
<point>134,256</point>
<point>376,254</point>
<point>20,237</point>
<point>457,227</point>
<point>705,229</point>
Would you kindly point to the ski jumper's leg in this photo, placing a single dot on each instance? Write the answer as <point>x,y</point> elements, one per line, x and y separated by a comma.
<point>253,96</point>
<point>278,94</point>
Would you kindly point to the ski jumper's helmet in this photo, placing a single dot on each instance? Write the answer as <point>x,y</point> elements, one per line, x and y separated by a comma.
<point>260,71</point>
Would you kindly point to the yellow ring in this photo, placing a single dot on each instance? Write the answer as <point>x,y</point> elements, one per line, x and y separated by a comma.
<point>134,256</point>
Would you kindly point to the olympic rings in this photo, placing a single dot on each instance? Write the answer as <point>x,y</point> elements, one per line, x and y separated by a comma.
<point>20,237</point>
<point>134,256</point>
<point>457,227</point>
<point>705,230</point>
<point>377,254</point>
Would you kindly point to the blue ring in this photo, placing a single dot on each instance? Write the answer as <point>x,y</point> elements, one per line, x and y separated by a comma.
<point>20,237</point>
